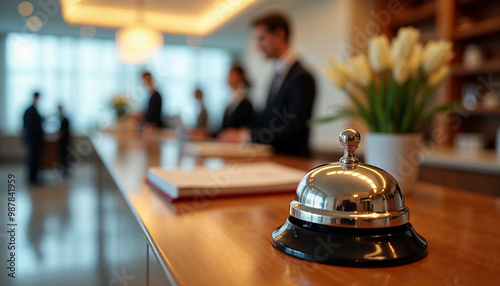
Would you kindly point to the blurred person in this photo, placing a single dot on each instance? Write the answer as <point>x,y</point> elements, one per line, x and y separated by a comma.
<point>239,112</point>
<point>33,138</point>
<point>152,116</point>
<point>200,132</point>
<point>202,119</point>
<point>63,139</point>
<point>283,121</point>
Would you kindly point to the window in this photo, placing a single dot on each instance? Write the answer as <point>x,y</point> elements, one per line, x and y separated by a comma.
<point>84,75</point>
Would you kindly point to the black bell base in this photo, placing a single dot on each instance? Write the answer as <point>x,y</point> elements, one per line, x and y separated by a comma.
<point>380,247</point>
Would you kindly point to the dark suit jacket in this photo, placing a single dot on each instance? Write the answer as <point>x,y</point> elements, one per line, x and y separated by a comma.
<point>64,129</point>
<point>202,120</point>
<point>153,113</point>
<point>283,122</point>
<point>33,132</point>
<point>242,115</point>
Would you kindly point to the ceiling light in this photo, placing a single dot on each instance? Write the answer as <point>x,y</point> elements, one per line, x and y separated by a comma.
<point>137,43</point>
<point>34,23</point>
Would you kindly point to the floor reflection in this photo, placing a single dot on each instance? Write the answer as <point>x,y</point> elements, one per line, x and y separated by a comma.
<point>57,229</point>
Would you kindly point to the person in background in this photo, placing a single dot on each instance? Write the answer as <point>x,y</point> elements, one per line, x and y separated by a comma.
<point>240,112</point>
<point>200,132</point>
<point>152,116</point>
<point>202,119</point>
<point>283,122</point>
<point>33,138</point>
<point>63,139</point>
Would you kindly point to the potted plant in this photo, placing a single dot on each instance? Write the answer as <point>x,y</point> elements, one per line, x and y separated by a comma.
<point>390,91</point>
<point>121,105</point>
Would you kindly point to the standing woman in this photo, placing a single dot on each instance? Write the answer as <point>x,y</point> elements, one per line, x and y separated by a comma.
<point>239,113</point>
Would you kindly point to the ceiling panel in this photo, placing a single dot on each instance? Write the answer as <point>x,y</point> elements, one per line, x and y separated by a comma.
<point>186,17</point>
<point>184,7</point>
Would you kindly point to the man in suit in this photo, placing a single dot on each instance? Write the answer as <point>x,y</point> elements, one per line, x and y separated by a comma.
<point>153,112</point>
<point>33,138</point>
<point>63,140</point>
<point>283,122</point>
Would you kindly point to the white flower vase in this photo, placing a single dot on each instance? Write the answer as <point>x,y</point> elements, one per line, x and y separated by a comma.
<point>398,154</point>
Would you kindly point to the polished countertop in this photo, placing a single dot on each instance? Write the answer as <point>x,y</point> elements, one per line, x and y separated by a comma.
<point>228,241</point>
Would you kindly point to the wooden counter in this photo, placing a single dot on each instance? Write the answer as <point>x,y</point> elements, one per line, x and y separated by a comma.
<point>227,241</point>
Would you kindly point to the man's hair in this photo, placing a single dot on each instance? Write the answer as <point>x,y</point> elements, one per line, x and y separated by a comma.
<point>146,74</point>
<point>36,94</point>
<point>198,90</point>
<point>273,22</point>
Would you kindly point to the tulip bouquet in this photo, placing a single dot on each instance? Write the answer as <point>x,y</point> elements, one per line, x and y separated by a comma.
<point>396,81</point>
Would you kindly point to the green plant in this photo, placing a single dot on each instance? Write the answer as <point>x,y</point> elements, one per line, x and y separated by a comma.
<point>120,104</point>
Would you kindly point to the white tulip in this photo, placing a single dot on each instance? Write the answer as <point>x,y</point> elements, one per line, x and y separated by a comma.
<point>338,79</point>
<point>415,60</point>
<point>379,53</point>
<point>338,73</point>
<point>360,70</point>
<point>404,43</point>
<point>436,54</point>
<point>437,76</point>
<point>401,71</point>
<point>339,67</point>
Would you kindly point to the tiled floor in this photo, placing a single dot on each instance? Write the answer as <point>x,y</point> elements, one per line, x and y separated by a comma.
<point>57,228</point>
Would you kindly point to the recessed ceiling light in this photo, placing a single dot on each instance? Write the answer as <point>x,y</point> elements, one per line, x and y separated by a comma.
<point>25,8</point>
<point>34,23</point>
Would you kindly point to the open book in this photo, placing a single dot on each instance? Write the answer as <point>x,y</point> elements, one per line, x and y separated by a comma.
<point>226,149</point>
<point>231,180</point>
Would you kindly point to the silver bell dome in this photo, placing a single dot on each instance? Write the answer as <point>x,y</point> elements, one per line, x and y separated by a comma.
<point>350,214</point>
<point>349,193</point>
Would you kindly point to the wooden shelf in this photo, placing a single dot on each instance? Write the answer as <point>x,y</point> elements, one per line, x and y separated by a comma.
<point>465,2</point>
<point>479,113</point>
<point>413,15</point>
<point>478,29</point>
<point>427,36</point>
<point>489,66</point>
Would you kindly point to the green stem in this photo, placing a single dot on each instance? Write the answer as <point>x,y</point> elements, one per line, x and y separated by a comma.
<point>376,107</point>
<point>408,115</point>
<point>362,111</point>
<point>389,105</point>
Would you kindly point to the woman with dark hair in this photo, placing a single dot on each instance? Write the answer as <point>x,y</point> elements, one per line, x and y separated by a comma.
<point>240,112</point>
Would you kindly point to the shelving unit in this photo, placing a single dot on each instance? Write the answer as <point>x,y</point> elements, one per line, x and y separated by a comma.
<point>482,28</point>
<point>464,22</point>
<point>480,113</point>
<point>422,13</point>
<point>488,67</point>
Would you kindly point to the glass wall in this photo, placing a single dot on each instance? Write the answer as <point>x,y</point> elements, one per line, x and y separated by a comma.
<point>84,75</point>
